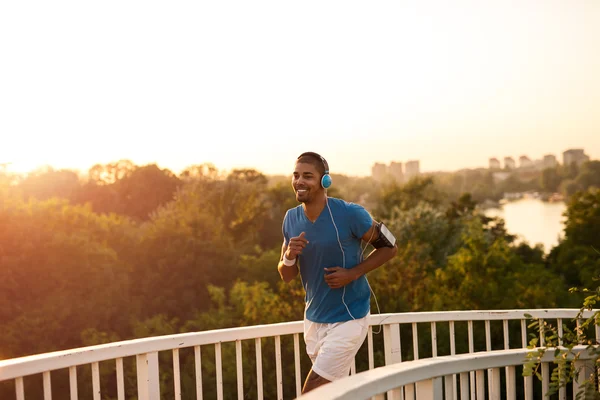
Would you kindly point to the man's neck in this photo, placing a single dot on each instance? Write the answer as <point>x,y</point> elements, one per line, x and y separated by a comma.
<point>313,209</point>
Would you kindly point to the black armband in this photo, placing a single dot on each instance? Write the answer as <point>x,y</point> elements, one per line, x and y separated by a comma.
<point>385,238</point>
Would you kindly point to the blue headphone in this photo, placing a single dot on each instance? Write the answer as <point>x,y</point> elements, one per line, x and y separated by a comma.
<point>326,178</point>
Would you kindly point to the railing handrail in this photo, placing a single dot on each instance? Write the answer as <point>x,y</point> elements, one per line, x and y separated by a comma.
<point>34,364</point>
<point>380,380</point>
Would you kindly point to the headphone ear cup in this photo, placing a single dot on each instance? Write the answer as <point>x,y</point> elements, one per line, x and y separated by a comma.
<point>326,181</point>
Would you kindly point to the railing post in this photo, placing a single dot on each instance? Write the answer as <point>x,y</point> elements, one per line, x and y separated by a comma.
<point>20,389</point>
<point>47,385</point>
<point>527,380</point>
<point>391,344</point>
<point>495,383</point>
<point>147,376</point>
<point>450,390</point>
<point>464,386</point>
<point>431,389</point>
<point>511,383</point>
<point>584,370</point>
<point>480,384</point>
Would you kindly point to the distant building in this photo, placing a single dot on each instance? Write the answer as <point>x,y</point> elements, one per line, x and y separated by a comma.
<point>576,156</point>
<point>509,163</point>
<point>549,161</point>
<point>494,163</point>
<point>395,170</point>
<point>378,171</point>
<point>525,162</point>
<point>412,169</point>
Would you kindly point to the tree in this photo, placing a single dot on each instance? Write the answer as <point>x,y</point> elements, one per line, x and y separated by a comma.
<point>110,173</point>
<point>47,183</point>
<point>575,258</point>
<point>59,275</point>
<point>550,179</point>
<point>570,171</point>
<point>145,189</point>
<point>184,247</point>
<point>486,273</point>
<point>568,187</point>
<point>583,219</point>
<point>406,196</point>
<point>248,175</point>
<point>127,189</point>
<point>589,176</point>
<point>278,199</point>
<point>205,171</point>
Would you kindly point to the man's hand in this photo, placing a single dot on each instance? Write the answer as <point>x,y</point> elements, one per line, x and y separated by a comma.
<point>295,247</point>
<point>337,277</point>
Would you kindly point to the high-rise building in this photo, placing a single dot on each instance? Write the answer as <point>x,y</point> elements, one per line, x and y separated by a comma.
<point>378,171</point>
<point>525,162</point>
<point>576,156</point>
<point>509,163</point>
<point>550,161</point>
<point>494,163</point>
<point>412,169</point>
<point>396,172</point>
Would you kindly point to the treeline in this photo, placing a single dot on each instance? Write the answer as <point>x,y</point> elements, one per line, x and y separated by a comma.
<point>481,184</point>
<point>137,251</point>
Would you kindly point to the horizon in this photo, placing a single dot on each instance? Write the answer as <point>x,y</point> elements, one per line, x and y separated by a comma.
<point>256,85</point>
<point>84,171</point>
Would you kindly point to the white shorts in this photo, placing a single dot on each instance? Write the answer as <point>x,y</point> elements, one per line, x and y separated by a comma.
<point>332,347</point>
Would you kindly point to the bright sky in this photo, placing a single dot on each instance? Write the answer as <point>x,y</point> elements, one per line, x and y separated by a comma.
<point>254,84</point>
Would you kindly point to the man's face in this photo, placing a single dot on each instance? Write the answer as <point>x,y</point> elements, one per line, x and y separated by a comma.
<point>306,182</point>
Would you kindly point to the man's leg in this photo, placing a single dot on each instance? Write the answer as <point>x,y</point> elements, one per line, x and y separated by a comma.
<point>313,381</point>
<point>335,352</point>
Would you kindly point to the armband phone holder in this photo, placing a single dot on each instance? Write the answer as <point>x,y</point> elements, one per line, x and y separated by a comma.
<point>385,238</point>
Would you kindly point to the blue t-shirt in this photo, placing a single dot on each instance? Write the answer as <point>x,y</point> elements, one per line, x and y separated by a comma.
<point>324,304</point>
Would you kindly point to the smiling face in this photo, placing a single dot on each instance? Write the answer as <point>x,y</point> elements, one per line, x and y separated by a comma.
<point>306,182</point>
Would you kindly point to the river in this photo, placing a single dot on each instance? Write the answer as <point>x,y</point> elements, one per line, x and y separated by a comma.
<point>533,220</point>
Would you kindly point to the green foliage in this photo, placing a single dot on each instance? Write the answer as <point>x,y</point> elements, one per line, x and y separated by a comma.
<point>58,271</point>
<point>486,273</point>
<point>577,252</point>
<point>565,354</point>
<point>479,183</point>
<point>583,219</point>
<point>550,179</point>
<point>183,248</point>
<point>574,258</point>
<point>401,198</point>
<point>127,189</point>
<point>258,266</point>
<point>136,251</point>
<point>589,176</point>
<point>46,183</point>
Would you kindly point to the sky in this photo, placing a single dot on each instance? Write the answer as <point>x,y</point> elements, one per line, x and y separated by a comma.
<point>254,84</point>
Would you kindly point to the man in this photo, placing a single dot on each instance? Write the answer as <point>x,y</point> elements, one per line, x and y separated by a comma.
<point>322,242</point>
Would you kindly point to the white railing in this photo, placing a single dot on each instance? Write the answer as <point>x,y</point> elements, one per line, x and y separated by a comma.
<point>433,377</point>
<point>257,347</point>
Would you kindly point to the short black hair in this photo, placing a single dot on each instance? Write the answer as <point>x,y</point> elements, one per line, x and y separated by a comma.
<point>315,159</point>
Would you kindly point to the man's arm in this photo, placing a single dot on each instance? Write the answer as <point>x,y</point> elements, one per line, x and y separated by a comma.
<point>286,272</point>
<point>338,277</point>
